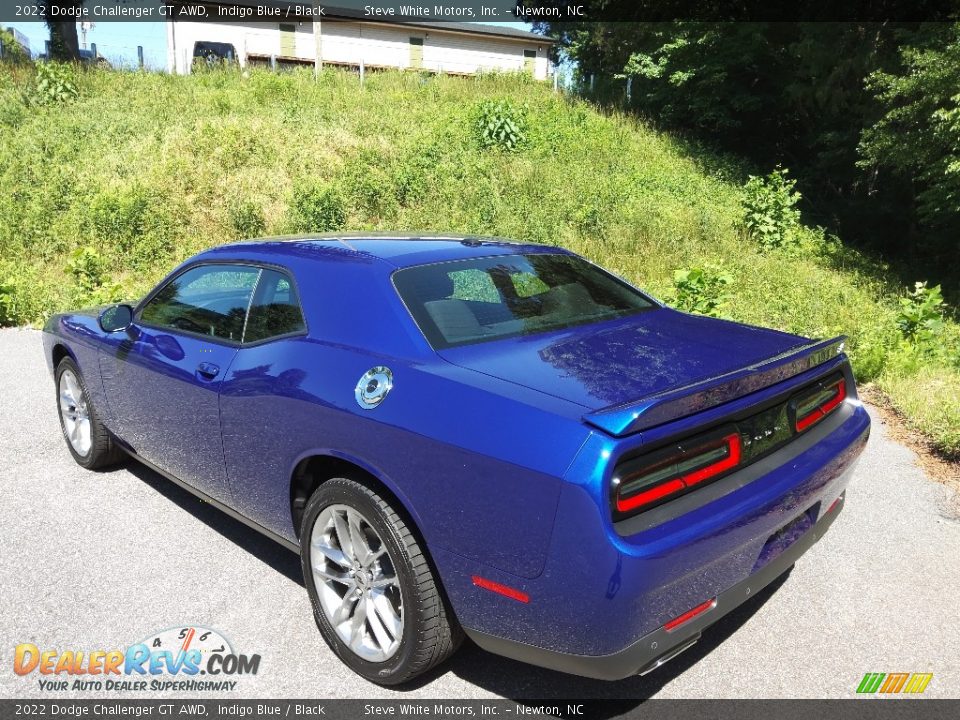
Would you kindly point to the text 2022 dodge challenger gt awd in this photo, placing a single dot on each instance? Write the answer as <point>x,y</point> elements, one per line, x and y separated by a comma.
<point>464,435</point>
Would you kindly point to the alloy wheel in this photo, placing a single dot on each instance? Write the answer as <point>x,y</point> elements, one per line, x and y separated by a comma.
<point>74,413</point>
<point>357,583</point>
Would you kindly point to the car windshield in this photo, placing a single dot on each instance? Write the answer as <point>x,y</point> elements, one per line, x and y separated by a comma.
<point>482,299</point>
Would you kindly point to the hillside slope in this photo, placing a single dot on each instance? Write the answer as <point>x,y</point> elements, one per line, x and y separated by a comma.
<point>105,191</point>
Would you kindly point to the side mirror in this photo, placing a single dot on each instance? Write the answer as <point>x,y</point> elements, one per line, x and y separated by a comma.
<point>115,318</point>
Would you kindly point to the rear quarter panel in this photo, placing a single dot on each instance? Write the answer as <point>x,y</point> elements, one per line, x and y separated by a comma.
<point>478,471</point>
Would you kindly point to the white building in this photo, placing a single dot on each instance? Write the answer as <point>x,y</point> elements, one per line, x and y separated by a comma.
<point>348,39</point>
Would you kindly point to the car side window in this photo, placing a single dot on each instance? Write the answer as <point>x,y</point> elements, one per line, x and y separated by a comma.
<point>207,300</point>
<point>275,309</point>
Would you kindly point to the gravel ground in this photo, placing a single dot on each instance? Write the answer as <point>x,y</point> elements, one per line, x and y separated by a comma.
<point>99,560</point>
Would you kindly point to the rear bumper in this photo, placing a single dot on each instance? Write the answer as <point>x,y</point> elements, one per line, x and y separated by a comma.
<point>659,646</point>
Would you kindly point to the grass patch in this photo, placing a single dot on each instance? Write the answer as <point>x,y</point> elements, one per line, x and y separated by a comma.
<point>147,169</point>
<point>930,401</point>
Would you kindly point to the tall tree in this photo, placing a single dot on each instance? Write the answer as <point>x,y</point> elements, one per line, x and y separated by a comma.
<point>64,43</point>
<point>918,136</point>
<point>797,94</point>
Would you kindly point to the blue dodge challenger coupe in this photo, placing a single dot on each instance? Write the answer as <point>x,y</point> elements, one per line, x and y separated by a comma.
<point>466,436</point>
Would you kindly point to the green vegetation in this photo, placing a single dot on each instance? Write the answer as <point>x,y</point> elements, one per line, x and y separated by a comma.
<point>53,84</point>
<point>501,124</point>
<point>918,136</point>
<point>866,114</point>
<point>769,209</point>
<point>701,290</point>
<point>316,208</point>
<point>247,219</point>
<point>13,52</point>
<point>105,192</point>
<point>921,315</point>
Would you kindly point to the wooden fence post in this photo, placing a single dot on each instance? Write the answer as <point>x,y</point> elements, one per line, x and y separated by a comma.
<point>629,88</point>
<point>361,72</point>
<point>591,82</point>
<point>140,56</point>
<point>273,62</point>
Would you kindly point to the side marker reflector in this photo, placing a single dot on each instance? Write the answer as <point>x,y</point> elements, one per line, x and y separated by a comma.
<point>504,590</point>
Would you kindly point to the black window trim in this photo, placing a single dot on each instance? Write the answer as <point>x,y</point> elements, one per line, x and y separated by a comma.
<point>260,267</point>
<point>654,303</point>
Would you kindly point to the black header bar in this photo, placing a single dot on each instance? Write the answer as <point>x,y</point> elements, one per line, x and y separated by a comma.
<point>52,708</point>
<point>487,11</point>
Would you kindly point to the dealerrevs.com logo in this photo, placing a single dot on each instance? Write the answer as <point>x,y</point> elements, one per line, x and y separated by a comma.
<point>189,658</point>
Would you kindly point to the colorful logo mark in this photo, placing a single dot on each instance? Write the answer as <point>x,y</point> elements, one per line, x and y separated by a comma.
<point>889,683</point>
<point>186,651</point>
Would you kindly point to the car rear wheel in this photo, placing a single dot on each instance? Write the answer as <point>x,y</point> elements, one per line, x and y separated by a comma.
<point>374,596</point>
<point>87,439</point>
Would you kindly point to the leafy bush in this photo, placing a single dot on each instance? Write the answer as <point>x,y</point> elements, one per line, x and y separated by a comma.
<point>53,84</point>
<point>769,209</point>
<point>317,208</point>
<point>93,283</point>
<point>247,220</point>
<point>500,124</point>
<point>920,317</point>
<point>701,290</point>
<point>87,268</point>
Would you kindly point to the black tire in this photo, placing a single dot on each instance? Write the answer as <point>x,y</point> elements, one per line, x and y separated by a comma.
<point>103,451</point>
<point>430,632</point>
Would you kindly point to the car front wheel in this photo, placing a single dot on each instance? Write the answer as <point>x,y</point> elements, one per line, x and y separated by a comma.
<point>87,439</point>
<point>374,595</point>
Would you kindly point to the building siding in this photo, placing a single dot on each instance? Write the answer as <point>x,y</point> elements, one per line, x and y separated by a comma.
<point>349,43</point>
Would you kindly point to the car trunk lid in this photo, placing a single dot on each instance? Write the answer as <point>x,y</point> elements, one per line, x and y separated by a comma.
<point>650,368</point>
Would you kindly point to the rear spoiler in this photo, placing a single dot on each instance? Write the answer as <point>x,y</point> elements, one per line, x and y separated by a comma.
<point>674,404</point>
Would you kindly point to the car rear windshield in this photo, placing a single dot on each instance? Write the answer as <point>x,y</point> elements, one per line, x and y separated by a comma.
<point>482,299</point>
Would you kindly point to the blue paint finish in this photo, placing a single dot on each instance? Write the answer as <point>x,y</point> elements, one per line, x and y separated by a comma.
<point>698,396</point>
<point>617,361</point>
<point>79,334</point>
<point>486,446</point>
<point>164,408</point>
<point>600,592</point>
<point>451,463</point>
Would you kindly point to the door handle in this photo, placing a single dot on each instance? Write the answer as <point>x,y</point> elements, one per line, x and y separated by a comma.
<point>208,370</point>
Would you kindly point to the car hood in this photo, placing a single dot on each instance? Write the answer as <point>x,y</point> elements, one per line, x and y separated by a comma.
<point>616,362</point>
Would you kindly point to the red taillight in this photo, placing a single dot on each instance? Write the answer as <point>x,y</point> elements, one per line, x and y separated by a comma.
<point>690,614</point>
<point>816,406</point>
<point>504,590</point>
<point>676,473</point>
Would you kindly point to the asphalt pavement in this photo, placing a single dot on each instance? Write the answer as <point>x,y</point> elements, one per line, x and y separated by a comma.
<point>97,561</point>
